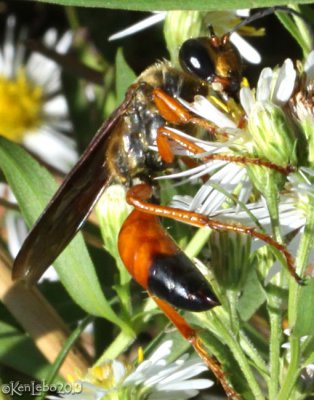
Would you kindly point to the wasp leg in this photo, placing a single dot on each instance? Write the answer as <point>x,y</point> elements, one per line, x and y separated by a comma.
<point>191,335</point>
<point>175,113</point>
<point>139,194</point>
<point>171,279</point>
<point>166,135</point>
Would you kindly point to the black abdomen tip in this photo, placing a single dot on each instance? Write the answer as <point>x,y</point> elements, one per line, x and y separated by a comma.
<point>176,279</point>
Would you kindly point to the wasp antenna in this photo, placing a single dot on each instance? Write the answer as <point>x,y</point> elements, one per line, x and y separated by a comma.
<point>267,11</point>
<point>211,30</point>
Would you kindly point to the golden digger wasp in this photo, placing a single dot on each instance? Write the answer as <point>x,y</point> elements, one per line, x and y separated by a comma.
<point>122,150</point>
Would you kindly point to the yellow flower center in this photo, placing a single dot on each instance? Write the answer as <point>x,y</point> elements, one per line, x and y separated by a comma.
<point>20,106</point>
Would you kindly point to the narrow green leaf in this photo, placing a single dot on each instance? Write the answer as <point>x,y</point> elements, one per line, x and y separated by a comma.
<point>33,186</point>
<point>124,76</point>
<point>300,32</point>
<point>19,352</point>
<point>253,296</point>
<point>305,317</point>
<point>145,5</point>
<point>67,346</point>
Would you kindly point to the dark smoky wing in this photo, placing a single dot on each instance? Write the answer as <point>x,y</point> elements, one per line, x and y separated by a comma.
<point>70,206</point>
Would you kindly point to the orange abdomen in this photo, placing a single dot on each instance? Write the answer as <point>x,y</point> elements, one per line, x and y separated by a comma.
<point>158,265</point>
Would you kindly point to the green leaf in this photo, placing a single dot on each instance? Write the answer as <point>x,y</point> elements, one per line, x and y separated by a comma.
<point>299,30</point>
<point>253,296</point>
<point>124,76</point>
<point>33,187</point>
<point>19,352</point>
<point>305,317</point>
<point>150,5</point>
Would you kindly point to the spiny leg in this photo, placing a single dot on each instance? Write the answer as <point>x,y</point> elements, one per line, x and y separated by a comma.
<point>191,335</point>
<point>175,113</point>
<point>166,135</point>
<point>139,194</point>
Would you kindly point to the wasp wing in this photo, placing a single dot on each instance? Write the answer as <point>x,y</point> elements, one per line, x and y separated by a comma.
<point>70,205</point>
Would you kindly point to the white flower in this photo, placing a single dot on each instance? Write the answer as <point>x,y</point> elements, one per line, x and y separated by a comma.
<point>222,22</point>
<point>275,87</point>
<point>17,230</point>
<point>153,379</point>
<point>32,109</point>
<point>33,112</point>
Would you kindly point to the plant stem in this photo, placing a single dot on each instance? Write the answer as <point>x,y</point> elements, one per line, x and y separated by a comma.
<point>250,351</point>
<point>301,263</point>
<point>121,342</point>
<point>294,291</point>
<point>293,369</point>
<point>239,355</point>
<point>197,242</point>
<point>63,353</point>
<point>274,301</point>
<point>274,348</point>
<point>234,318</point>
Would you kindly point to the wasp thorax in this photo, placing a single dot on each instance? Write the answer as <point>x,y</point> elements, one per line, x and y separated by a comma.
<point>131,151</point>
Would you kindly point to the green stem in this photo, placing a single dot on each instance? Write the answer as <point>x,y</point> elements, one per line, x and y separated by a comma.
<point>233,344</point>
<point>121,342</point>
<point>274,348</point>
<point>232,296</point>
<point>72,18</point>
<point>294,291</point>
<point>301,264</point>
<point>274,301</point>
<point>304,32</point>
<point>197,242</point>
<point>293,369</point>
<point>63,353</point>
<point>250,351</point>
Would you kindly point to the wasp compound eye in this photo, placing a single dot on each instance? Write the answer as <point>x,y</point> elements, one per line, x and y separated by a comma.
<point>195,58</point>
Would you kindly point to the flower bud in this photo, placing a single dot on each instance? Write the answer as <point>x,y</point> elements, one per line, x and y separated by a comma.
<point>230,253</point>
<point>273,135</point>
<point>112,210</point>
<point>180,26</point>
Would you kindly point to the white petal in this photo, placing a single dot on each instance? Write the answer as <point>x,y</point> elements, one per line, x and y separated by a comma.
<point>119,371</point>
<point>17,231</point>
<point>264,85</point>
<point>50,37</point>
<point>56,107</point>
<point>190,384</point>
<point>64,43</point>
<point>49,275</point>
<point>208,199</point>
<point>285,83</point>
<point>187,370</point>
<point>44,72</point>
<point>139,26</point>
<point>309,67</point>
<point>163,351</point>
<point>207,110</point>
<point>55,149</point>
<point>243,12</point>
<point>246,50</point>
<point>8,47</point>
<point>247,99</point>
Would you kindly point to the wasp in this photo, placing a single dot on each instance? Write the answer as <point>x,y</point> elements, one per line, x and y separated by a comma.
<point>122,150</point>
